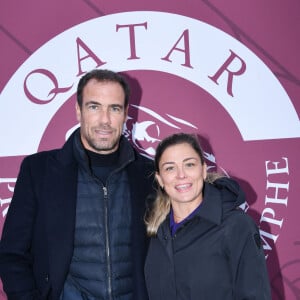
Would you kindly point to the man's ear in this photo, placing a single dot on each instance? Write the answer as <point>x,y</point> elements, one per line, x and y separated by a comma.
<point>126,113</point>
<point>78,112</point>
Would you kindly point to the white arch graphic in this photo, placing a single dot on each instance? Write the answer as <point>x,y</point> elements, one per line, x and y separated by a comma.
<point>260,108</point>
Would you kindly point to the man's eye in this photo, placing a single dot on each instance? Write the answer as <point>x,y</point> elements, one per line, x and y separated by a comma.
<point>93,107</point>
<point>116,109</point>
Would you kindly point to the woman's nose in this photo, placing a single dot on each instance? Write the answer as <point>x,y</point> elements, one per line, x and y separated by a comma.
<point>180,173</point>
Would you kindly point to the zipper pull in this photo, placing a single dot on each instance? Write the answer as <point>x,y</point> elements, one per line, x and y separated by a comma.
<point>105,191</point>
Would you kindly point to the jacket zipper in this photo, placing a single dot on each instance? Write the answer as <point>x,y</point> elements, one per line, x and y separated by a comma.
<point>107,238</point>
<point>107,242</point>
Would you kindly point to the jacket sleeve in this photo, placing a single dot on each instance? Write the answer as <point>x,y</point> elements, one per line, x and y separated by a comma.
<point>16,262</point>
<point>248,261</point>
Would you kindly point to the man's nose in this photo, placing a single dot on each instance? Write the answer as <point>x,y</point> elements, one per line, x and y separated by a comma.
<point>105,115</point>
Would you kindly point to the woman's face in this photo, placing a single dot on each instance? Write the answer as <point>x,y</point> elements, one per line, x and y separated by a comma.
<point>181,174</point>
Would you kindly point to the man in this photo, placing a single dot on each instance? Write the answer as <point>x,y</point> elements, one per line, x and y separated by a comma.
<point>74,229</point>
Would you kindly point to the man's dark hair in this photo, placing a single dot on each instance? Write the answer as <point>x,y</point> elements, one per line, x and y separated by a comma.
<point>102,76</point>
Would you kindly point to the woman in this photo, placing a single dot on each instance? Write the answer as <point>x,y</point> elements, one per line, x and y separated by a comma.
<point>203,246</point>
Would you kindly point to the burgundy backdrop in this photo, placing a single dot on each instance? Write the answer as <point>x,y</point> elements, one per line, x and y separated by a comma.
<point>178,93</point>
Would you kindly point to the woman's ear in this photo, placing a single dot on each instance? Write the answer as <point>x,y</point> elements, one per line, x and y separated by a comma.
<point>159,180</point>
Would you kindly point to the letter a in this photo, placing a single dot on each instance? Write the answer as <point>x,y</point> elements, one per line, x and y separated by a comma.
<point>185,50</point>
<point>90,54</point>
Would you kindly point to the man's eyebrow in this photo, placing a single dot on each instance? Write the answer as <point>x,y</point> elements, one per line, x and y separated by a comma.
<point>116,105</point>
<point>98,103</point>
<point>92,102</point>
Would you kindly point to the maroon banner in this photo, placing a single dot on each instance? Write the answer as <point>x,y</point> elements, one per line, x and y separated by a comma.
<point>227,71</point>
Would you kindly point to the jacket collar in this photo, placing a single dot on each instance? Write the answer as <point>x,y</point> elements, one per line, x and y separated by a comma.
<point>210,210</point>
<point>211,207</point>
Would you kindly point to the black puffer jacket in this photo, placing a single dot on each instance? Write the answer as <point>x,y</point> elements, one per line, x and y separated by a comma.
<point>217,255</point>
<point>102,264</point>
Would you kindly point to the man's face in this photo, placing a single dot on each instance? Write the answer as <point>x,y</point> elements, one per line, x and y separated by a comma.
<point>102,116</point>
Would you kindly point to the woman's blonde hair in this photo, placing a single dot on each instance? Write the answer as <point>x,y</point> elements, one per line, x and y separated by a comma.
<point>162,204</point>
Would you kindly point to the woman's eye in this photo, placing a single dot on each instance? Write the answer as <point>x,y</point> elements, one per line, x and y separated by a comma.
<point>168,169</point>
<point>190,165</point>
